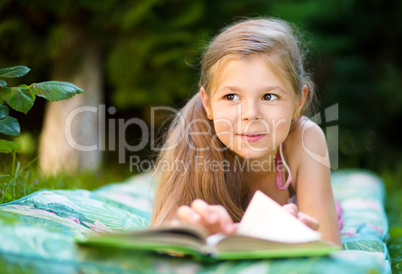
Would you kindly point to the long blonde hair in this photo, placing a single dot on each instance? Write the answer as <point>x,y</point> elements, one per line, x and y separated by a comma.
<point>274,40</point>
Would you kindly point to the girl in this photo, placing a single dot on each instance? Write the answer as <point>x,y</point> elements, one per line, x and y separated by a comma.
<point>245,130</point>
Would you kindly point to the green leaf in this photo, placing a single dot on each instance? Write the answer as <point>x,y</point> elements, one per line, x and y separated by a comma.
<point>55,90</point>
<point>8,196</point>
<point>3,111</point>
<point>2,83</point>
<point>19,98</point>
<point>17,71</point>
<point>9,126</point>
<point>8,146</point>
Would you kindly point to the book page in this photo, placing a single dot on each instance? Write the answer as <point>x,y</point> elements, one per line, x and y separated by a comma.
<point>266,219</point>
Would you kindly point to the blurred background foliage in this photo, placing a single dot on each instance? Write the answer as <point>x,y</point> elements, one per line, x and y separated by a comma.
<point>150,52</point>
<point>151,49</point>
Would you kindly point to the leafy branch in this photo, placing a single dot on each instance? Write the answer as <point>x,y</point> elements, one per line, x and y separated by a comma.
<point>22,98</point>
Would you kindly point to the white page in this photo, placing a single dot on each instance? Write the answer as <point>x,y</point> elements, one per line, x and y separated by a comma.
<point>266,219</point>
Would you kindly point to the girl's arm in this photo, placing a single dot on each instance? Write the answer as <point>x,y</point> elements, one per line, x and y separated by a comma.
<point>313,180</point>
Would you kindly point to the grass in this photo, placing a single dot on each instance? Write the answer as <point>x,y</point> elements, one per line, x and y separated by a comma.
<point>25,179</point>
<point>393,206</point>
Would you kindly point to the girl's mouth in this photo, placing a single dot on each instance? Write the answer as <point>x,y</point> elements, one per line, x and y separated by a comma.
<point>252,137</point>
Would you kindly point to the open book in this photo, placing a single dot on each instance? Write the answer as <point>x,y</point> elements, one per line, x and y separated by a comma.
<point>266,231</point>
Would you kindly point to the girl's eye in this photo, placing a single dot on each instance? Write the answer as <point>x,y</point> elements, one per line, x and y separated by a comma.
<point>270,97</point>
<point>231,97</point>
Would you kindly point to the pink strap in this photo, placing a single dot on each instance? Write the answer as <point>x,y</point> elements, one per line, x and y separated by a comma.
<point>279,158</point>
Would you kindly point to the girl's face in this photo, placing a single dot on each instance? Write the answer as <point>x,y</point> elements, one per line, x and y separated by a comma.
<point>252,108</point>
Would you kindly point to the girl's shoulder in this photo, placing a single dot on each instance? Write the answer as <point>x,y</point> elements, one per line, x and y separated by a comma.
<point>300,127</point>
<point>305,139</point>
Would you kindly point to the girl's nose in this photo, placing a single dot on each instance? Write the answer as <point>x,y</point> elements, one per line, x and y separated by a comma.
<point>250,111</point>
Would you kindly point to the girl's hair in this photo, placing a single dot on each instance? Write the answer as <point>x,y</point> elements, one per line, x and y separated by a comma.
<point>191,139</point>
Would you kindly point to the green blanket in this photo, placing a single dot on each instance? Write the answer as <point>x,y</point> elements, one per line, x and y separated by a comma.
<point>38,231</point>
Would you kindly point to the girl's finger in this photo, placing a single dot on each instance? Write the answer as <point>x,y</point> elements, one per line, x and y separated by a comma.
<point>225,221</point>
<point>205,210</point>
<point>291,208</point>
<point>188,215</point>
<point>214,217</point>
<point>236,226</point>
<point>175,223</point>
<point>308,220</point>
<point>232,229</point>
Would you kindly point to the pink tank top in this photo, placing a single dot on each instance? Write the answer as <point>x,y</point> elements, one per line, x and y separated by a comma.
<point>279,158</point>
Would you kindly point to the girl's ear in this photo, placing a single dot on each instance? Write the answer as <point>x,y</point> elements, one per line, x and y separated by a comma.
<point>301,101</point>
<point>206,103</point>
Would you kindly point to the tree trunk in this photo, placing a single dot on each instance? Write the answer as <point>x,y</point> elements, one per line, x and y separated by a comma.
<point>79,62</point>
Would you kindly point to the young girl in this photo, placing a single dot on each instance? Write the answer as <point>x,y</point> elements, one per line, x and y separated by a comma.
<point>245,130</point>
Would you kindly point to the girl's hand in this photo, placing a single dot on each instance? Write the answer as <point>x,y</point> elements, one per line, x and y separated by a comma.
<point>214,218</point>
<point>304,218</point>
